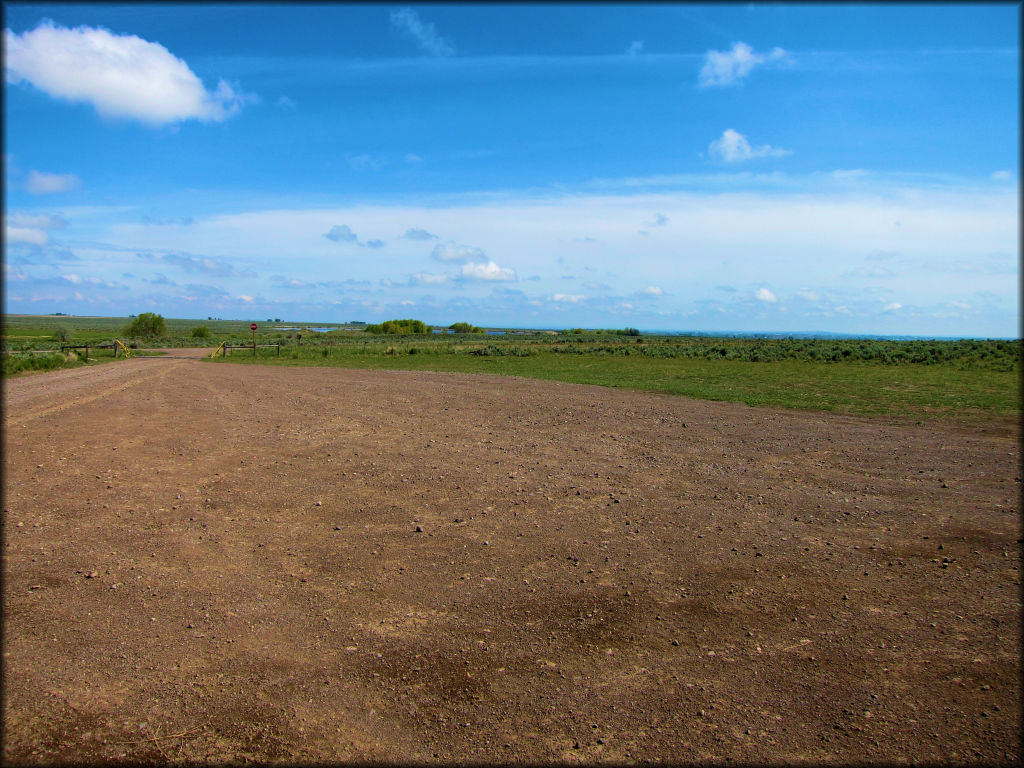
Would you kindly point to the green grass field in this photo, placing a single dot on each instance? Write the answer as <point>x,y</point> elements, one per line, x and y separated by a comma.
<point>967,379</point>
<point>905,391</point>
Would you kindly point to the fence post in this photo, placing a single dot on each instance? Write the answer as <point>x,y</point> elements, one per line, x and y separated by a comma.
<point>86,351</point>
<point>278,349</point>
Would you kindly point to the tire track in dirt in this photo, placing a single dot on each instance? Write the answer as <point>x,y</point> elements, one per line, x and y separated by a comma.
<point>24,401</point>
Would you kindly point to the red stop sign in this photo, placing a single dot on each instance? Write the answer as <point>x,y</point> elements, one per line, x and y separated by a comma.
<point>252,327</point>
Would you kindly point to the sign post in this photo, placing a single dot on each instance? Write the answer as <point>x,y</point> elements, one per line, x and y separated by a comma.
<point>253,329</point>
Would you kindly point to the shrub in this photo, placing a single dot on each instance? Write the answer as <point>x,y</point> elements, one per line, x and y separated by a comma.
<point>146,325</point>
<point>403,327</point>
<point>61,333</point>
<point>466,328</point>
<point>13,364</point>
<point>200,332</point>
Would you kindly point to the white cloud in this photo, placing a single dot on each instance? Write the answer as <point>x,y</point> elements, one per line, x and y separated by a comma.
<point>120,75</point>
<point>39,183</point>
<point>488,271</point>
<point>652,290</point>
<point>568,298</point>
<point>763,294</point>
<point>728,67</point>
<point>637,46</point>
<point>733,147</point>
<point>453,252</point>
<point>1002,176</point>
<point>245,298</point>
<point>893,306</point>
<point>808,295</point>
<point>72,278</point>
<point>285,102</point>
<point>408,21</point>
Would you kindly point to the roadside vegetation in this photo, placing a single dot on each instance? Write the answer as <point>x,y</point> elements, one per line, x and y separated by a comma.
<point>901,379</point>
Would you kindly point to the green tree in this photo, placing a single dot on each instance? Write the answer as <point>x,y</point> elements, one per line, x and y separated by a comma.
<point>200,332</point>
<point>466,328</point>
<point>146,325</point>
<point>61,333</point>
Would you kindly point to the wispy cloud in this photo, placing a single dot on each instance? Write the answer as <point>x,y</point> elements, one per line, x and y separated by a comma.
<point>120,75</point>
<point>408,21</point>
<point>423,278</point>
<point>365,162</point>
<point>635,48</point>
<point>729,67</point>
<point>418,234</point>
<point>25,235</point>
<point>36,220</point>
<point>31,228</point>
<point>659,220</point>
<point>167,221</point>
<point>40,183</point>
<point>201,264</point>
<point>733,147</point>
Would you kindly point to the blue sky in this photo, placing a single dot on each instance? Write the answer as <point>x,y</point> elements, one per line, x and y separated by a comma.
<point>841,168</point>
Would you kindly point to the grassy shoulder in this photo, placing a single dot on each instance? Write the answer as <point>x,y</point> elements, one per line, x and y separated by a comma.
<point>898,391</point>
<point>24,364</point>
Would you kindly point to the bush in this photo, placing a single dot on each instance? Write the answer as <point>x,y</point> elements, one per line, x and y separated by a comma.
<point>200,332</point>
<point>13,364</point>
<point>466,328</point>
<point>146,325</point>
<point>403,327</point>
<point>62,334</point>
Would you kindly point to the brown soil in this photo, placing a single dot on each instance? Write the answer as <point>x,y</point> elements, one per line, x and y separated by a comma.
<point>220,562</point>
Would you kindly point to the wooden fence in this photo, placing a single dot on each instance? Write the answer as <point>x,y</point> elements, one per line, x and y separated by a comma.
<point>253,347</point>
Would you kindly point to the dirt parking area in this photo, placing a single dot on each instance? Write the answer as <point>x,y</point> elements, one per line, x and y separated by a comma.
<point>211,562</point>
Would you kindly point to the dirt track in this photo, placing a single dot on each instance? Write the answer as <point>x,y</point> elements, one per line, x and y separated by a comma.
<point>210,561</point>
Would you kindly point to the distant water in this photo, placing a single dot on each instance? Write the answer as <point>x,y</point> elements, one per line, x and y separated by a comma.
<point>303,328</point>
